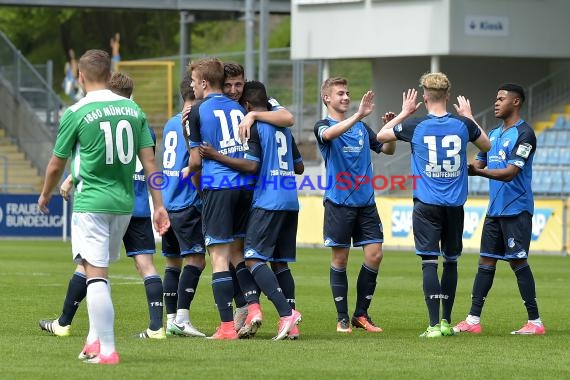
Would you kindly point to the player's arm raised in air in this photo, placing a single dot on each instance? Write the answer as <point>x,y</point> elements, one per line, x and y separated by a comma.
<point>364,109</point>
<point>409,106</point>
<point>463,108</point>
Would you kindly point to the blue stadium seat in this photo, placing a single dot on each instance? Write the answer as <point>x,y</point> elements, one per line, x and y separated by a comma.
<point>541,156</point>
<point>566,181</point>
<point>483,185</point>
<point>566,125</point>
<point>564,159</point>
<point>541,139</point>
<point>566,176</point>
<point>550,138</point>
<point>559,123</point>
<point>553,155</point>
<point>541,181</point>
<point>562,139</point>
<point>556,184</point>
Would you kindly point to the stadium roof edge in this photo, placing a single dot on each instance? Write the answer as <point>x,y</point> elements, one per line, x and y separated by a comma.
<point>275,6</point>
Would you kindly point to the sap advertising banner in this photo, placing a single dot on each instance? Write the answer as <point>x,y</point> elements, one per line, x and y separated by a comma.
<point>20,216</point>
<point>396,215</point>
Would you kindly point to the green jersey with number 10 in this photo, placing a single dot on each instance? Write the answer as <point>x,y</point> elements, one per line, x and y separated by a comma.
<point>103,133</point>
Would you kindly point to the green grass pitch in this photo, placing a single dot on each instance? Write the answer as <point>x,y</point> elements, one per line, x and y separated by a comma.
<point>34,277</point>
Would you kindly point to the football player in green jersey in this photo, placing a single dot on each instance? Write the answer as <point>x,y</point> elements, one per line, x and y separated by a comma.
<point>101,133</point>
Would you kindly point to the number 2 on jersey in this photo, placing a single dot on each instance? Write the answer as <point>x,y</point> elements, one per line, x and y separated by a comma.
<point>281,149</point>
<point>451,144</point>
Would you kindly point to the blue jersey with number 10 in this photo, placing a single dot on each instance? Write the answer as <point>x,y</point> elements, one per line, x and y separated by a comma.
<point>215,121</point>
<point>439,156</point>
<point>276,149</point>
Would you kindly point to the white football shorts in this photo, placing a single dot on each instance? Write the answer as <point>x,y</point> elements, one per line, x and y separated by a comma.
<point>97,238</point>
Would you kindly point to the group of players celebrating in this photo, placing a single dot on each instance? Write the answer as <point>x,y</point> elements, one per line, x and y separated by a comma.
<point>231,132</point>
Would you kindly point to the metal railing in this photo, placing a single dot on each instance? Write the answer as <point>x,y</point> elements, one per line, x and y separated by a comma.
<point>541,96</point>
<point>28,84</point>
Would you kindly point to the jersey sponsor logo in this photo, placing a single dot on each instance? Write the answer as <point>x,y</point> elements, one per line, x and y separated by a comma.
<point>524,150</point>
<point>539,221</point>
<point>401,221</point>
<point>472,219</point>
<point>352,149</point>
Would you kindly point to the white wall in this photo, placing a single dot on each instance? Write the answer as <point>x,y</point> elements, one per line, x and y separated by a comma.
<point>534,28</point>
<point>397,28</point>
<point>379,28</point>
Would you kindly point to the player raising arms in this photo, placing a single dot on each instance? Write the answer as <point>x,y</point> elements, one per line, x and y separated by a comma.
<point>350,213</point>
<point>439,159</point>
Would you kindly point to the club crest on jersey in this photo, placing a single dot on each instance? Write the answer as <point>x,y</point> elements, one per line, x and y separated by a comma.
<point>502,154</point>
<point>511,242</point>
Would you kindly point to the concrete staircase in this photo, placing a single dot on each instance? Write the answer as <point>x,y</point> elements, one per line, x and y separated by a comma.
<point>17,174</point>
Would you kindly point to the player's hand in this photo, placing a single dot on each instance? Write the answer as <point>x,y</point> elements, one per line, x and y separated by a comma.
<point>43,202</point>
<point>471,170</point>
<point>463,107</point>
<point>388,116</point>
<point>207,151</point>
<point>366,104</point>
<point>185,172</point>
<point>160,220</point>
<point>409,99</point>
<point>245,127</point>
<point>65,188</point>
